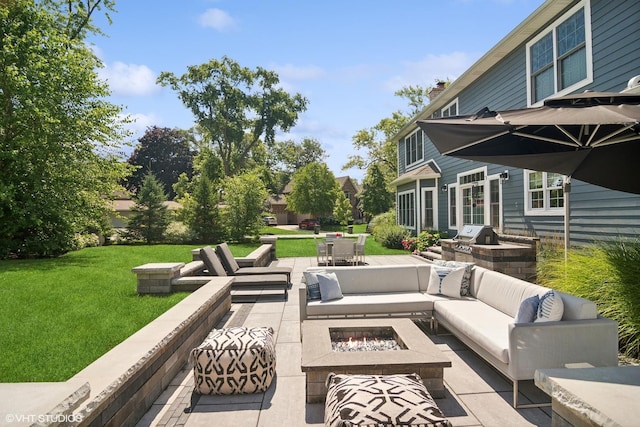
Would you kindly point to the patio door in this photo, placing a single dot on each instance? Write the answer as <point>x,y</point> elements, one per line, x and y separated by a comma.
<point>473,204</point>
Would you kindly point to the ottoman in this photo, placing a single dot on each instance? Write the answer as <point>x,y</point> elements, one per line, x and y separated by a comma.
<point>234,361</point>
<point>380,400</point>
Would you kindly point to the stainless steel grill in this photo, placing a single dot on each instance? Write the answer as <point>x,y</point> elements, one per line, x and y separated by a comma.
<point>475,235</point>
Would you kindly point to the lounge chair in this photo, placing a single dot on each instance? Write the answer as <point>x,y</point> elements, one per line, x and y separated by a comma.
<point>242,283</point>
<point>233,269</point>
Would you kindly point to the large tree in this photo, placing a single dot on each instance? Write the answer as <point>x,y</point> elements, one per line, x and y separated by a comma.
<point>57,160</point>
<point>375,197</point>
<point>245,196</point>
<point>150,216</point>
<point>164,152</point>
<point>287,157</point>
<point>237,108</point>
<point>314,190</point>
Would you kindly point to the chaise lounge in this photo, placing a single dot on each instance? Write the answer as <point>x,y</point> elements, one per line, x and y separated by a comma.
<point>233,269</point>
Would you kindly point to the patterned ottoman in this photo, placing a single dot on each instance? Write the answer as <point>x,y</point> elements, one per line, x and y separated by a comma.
<point>234,361</point>
<point>381,401</point>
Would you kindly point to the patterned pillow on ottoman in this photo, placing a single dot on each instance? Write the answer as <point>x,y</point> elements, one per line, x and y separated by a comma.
<point>234,361</point>
<point>381,401</point>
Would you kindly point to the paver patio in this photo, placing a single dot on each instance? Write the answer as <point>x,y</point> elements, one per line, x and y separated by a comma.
<point>476,395</point>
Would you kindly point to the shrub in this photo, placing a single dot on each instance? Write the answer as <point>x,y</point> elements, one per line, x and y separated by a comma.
<point>390,236</point>
<point>607,274</point>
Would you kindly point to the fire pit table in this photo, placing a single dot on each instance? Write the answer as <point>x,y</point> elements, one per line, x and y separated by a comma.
<point>368,346</point>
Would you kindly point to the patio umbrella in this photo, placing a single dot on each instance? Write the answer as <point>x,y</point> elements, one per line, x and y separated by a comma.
<point>592,136</point>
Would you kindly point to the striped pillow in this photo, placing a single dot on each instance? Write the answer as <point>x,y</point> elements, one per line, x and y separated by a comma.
<point>550,308</point>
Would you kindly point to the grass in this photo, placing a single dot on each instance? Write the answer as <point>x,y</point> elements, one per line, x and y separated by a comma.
<point>59,315</point>
<point>607,274</point>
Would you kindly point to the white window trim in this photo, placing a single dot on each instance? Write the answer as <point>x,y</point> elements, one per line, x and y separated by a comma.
<point>495,177</point>
<point>485,185</point>
<point>446,107</point>
<point>546,211</point>
<point>415,202</point>
<point>449,188</point>
<point>435,206</point>
<point>420,157</point>
<point>586,4</point>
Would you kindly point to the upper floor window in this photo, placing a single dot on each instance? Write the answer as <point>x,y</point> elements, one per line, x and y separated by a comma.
<point>450,110</point>
<point>544,193</point>
<point>559,59</point>
<point>413,148</point>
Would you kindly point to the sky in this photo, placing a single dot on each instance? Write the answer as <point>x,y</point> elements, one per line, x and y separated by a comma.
<point>347,57</point>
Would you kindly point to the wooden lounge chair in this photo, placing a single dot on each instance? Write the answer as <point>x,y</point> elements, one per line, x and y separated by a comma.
<point>233,269</point>
<point>277,281</point>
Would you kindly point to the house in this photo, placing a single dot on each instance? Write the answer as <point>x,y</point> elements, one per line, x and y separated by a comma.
<point>278,203</point>
<point>122,205</point>
<point>563,47</point>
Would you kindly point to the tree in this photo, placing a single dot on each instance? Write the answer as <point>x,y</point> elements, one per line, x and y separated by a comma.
<point>375,197</point>
<point>58,135</point>
<point>245,196</point>
<point>201,213</point>
<point>236,107</point>
<point>314,190</point>
<point>286,158</point>
<point>166,153</point>
<point>151,216</point>
<point>342,209</point>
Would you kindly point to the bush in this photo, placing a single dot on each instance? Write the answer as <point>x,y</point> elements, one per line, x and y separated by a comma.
<point>390,236</point>
<point>424,241</point>
<point>607,274</point>
<point>178,233</point>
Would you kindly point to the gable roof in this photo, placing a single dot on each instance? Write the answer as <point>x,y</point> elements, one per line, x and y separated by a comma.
<point>426,171</point>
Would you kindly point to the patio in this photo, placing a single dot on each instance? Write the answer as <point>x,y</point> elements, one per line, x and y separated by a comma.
<point>476,395</point>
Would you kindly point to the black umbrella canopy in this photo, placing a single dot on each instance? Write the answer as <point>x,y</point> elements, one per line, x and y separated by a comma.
<point>593,137</point>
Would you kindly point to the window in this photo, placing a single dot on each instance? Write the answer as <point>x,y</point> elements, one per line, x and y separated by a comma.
<point>494,203</point>
<point>559,59</point>
<point>413,148</point>
<point>453,206</point>
<point>450,110</point>
<point>407,209</point>
<point>544,193</point>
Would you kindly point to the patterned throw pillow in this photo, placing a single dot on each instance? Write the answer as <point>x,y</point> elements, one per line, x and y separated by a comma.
<point>465,285</point>
<point>380,400</point>
<point>528,310</point>
<point>445,281</point>
<point>313,286</point>
<point>550,308</point>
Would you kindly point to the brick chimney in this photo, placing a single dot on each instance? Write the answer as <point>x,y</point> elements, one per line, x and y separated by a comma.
<point>436,91</point>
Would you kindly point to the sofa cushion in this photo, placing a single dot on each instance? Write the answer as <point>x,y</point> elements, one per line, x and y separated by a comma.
<point>446,281</point>
<point>481,323</point>
<point>358,304</point>
<point>576,308</point>
<point>550,308</point>
<point>329,286</point>
<point>376,279</point>
<point>528,310</point>
<point>505,293</point>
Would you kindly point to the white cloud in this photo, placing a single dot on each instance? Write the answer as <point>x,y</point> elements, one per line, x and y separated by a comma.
<point>426,71</point>
<point>129,79</point>
<point>217,19</point>
<point>294,72</point>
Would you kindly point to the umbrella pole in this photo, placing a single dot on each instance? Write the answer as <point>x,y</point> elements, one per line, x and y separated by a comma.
<point>566,190</point>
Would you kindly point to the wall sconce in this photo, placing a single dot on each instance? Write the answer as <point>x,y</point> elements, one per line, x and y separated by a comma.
<point>504,176</point>
<point>444,188</point>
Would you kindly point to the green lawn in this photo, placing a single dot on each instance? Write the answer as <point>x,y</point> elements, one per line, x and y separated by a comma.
<point>59,315</point>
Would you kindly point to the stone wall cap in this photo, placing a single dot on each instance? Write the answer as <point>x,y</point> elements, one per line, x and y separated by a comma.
<point>158,267</point>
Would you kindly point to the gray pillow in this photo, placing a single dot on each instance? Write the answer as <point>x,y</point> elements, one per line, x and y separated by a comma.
<point>329,286</point>
<point>528,310</point>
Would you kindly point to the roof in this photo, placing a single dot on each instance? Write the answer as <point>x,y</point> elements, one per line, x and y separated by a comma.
<point>429,170</point>
<point>121,205</point>
<point>518,36</point>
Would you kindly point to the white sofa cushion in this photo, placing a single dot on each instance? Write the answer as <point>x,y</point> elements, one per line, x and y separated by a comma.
<point>376,279</point>
<point>483,324</point>
<point>505,293</point>
<point>576,308</point>
<point>378,303</point>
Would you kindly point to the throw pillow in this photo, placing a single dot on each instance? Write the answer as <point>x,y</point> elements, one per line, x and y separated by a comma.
<point>329,286</point>
<point>465,286</point>
<point>313,286</point>
<point>528,310</point>
<point>550,308</point>
<point>447,280</point>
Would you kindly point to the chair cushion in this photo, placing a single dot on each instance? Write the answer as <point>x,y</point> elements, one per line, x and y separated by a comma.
<point>380,400</point>
<point>212,262</point>
<point>229,262</point>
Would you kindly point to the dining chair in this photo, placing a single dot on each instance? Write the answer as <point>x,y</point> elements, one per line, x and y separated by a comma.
<point>362,239</point>
<point>322,252</point>
<point>343,250</point>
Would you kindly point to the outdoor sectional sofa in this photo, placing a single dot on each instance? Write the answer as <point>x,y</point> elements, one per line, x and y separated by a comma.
<point>485,319</point>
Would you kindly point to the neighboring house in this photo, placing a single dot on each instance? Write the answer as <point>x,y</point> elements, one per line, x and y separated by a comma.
<point>122,210</point>
<point>278,203</point>
<point>563,47</point>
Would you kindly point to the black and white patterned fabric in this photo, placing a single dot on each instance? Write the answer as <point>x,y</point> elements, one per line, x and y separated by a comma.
<point>234,361</point>
<point>380,401</point>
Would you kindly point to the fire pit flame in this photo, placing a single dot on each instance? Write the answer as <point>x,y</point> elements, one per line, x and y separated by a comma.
<point>362,344</point>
